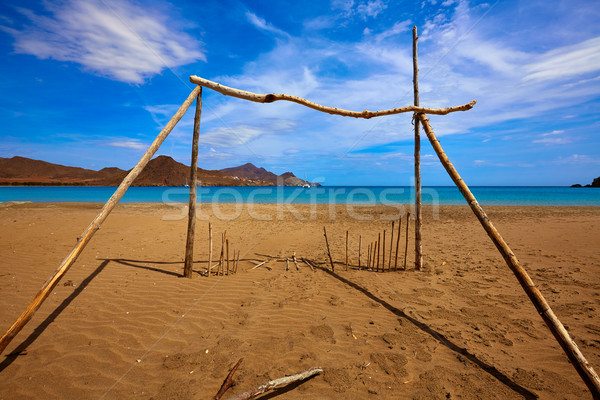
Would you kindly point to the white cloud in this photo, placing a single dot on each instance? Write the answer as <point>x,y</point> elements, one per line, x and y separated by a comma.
<point>261,24</point>
<point>116,39</point>
<point>548,140</point>
<point>241,134</point>
<point>128,143</point>
<point>566,61</point>
<point>371,8</point>
<point>363,9</point>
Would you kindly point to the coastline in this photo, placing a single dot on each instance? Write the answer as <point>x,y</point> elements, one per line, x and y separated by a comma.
<point>462,326</point>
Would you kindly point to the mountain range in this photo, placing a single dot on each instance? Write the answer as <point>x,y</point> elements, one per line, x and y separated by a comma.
<point>160,171</point>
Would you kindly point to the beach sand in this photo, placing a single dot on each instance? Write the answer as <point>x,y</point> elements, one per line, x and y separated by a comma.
<point>123,324</point>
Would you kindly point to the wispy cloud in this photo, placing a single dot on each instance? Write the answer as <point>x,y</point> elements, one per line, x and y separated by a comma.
<point>128,143</point>
<point>262,24</point>
<point>116,39</point>
<point>566,61</point>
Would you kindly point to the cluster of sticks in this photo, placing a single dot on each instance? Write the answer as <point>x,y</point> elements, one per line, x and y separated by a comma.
<point>375,252</point>
<point>287,263</point>
<point>223,266</point>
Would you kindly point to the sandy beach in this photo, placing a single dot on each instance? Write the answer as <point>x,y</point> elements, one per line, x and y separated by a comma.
<point>123,324</point>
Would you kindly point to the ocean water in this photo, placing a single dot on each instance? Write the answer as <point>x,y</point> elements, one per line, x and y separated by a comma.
<point>432,195</point>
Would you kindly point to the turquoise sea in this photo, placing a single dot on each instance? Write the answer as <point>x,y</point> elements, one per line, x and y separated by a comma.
<point>436,195</point>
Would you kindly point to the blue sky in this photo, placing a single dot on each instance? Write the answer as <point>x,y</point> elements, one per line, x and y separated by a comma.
<point>91,83</point>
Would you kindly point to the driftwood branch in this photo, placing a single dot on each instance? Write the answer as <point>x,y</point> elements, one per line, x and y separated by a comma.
<point>258,265</point>
<point>269,98</point>
<point>585,370</point>
<point>228,382</point>
<point>87,235</point>
<point>274,384</point>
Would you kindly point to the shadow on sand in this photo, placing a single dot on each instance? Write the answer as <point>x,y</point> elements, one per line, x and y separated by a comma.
<point>10,358</point>
<point>490,369</point>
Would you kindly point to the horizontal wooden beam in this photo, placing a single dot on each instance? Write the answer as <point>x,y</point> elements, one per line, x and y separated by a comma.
<point>270,98</point>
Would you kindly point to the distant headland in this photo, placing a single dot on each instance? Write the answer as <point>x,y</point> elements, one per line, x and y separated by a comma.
<point>595,183</point>
<point>160,171</point>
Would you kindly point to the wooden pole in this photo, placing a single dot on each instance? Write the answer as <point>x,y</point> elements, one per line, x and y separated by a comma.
<point>227,246</point>
<point>209,247</point>
<point>328,252</point>
<point>346,250</point>
<point>359,247</point>
<point>189,244</point>
<point>271,97</point>
<point>406,246</point>
<point>397,243</point>
<point>418,255</point>
<point>569,346</point>
<point>378,248</point>
<point>275,383</point>
<point>383,254</point>
<point>295,261</point>
<point>221,270</point>
<point>368,256</point>
<point>287,264</point>
<point>374,247</point>
<point>88,233</point>
<point>391,247</point>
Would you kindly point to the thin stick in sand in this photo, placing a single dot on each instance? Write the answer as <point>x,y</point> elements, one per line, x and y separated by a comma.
<point>287,264</point>
<point>295,261</point>
<point>227,245</point>
<point>270,385</point>
<point>397,243</point>
<point>228,382</point>
<point>359,247</point>
<point>237,261</point>
<point>406,247</point>
<point>391,247</point>
<point>346,250</point>
<point>328,251</point>
<point>87,235</point>
<point>191,231</point>
<point>258,265</point>
<point>209,247</point>
<point>374,250</point>
<point>219,271</point>
<point>378,248</point>
<point>383,254</point>
<point>308,263</point>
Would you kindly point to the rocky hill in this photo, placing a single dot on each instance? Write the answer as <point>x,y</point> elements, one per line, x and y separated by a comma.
<point>160,171</point>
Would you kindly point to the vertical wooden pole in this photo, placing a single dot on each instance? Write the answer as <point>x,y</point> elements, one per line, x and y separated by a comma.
<point>189,244</point>
<point>406,246</point>
<point>585,370</point>
<point>397,243</point>
<point>88,233</point>
<point>383,254</point>
<point>227,246</point>
<point>418,255</point>
<point>391,247</point>
<point>220,269</point>
<point>378,248</point>
<point>368,256</point>
<point>374,248</point>
<point>359,246</point>
<point>209,247</point>
<point>328,251</point>
<point>346,250</point>
<point>237,261</point>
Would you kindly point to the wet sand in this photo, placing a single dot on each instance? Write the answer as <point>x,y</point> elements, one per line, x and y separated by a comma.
<point>123,324</point>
